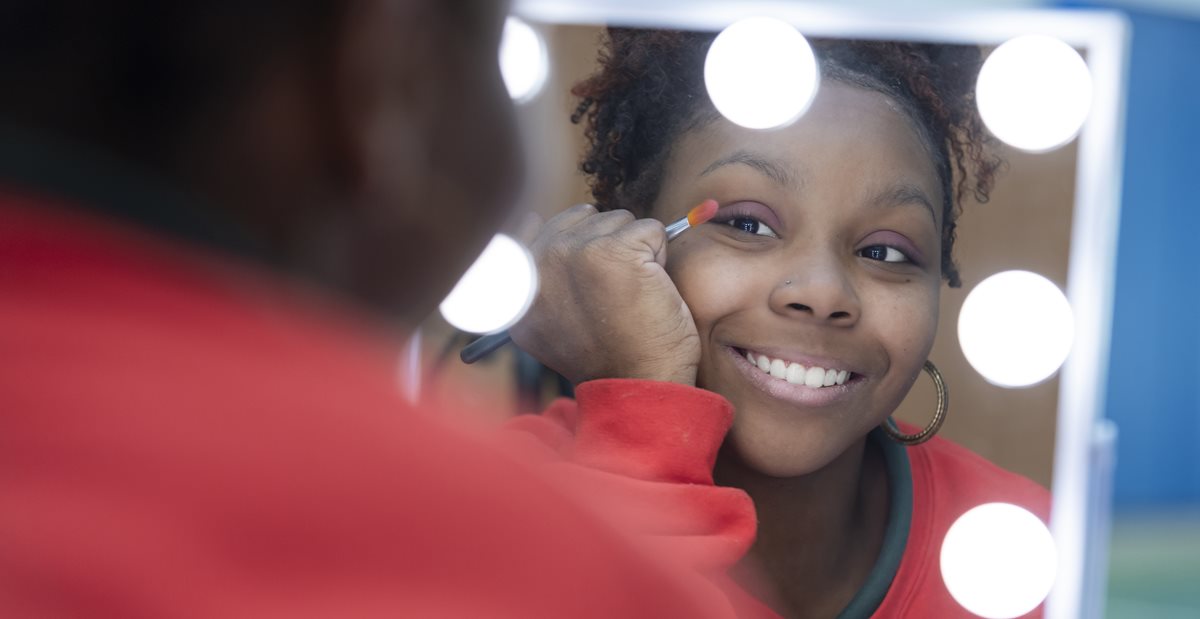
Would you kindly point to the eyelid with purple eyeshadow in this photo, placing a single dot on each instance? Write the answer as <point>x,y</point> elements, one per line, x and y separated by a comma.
<point>757,210</point>
<point>899,241</point>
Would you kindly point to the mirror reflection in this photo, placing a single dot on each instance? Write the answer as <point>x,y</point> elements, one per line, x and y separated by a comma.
<point>831,276</point>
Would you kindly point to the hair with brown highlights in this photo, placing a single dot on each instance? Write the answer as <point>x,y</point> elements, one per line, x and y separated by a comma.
<point>649,89</point>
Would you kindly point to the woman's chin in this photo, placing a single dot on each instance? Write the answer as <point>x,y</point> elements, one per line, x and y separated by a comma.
<point>766,449</point>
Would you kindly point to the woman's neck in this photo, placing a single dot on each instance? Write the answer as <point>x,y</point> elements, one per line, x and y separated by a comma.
<point>818,534</point>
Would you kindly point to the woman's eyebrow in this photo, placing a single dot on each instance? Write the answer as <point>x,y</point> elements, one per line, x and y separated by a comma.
<point>902,194</point>
<point>773,169</point>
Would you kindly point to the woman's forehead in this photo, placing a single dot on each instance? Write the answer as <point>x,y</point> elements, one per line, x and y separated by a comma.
<point>846,127</point>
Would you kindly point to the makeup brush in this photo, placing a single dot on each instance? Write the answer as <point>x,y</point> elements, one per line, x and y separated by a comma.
<point>485,345</point>
<point>701,213</point>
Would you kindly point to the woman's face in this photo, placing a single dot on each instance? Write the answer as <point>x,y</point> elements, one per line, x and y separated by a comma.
<point>845,205</point>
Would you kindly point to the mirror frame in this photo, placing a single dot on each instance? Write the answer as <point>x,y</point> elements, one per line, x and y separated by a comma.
<point>1084,439</point>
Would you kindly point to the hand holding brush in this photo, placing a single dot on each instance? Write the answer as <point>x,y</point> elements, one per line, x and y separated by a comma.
<point>601,275</point>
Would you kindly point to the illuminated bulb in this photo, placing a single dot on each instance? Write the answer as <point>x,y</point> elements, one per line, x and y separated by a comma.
<point>999,561</point>
<point>495,292</point>
<point>524,62</point>
<point>761,73</point>
<point>1034,92</point>
<point>1016,328</point>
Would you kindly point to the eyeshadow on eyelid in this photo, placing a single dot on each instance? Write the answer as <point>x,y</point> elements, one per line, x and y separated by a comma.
<point>899,241</point>
<point>748,208</point>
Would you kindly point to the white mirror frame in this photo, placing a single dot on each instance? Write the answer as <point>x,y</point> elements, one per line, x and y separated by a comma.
<point>1083,442</point>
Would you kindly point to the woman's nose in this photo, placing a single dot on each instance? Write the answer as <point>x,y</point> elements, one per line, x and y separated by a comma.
<point>818,291</point>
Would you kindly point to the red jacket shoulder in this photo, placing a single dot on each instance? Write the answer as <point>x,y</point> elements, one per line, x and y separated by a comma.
<point>957,479</point>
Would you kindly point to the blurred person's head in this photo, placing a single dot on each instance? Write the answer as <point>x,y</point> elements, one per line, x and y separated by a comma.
<point>365,144</point>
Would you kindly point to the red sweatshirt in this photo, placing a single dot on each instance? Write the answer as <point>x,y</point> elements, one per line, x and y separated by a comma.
<point>655,444</point>
<point>182,438</point>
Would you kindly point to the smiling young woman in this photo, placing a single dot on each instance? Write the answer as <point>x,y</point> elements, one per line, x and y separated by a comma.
<point>796,321</point>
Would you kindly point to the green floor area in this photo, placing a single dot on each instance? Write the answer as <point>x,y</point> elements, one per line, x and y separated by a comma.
<point>1154,568</point>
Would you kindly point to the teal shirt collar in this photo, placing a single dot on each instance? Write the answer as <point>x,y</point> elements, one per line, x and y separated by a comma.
<point>895,535</point>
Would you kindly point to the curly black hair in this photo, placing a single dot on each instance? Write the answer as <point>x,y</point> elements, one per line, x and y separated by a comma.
<point>649,89</point>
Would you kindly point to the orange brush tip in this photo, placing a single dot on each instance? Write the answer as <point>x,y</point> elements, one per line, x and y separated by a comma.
<point>702,212</point>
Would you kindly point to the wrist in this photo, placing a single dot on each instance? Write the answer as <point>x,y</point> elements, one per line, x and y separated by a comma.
<point>679,374</point>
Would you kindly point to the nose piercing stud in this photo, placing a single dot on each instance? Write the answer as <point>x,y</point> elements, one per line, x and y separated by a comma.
<point>787,283</point>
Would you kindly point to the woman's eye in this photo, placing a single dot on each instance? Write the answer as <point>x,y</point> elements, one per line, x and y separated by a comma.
<point>752,226</point>
<point>883,253</point>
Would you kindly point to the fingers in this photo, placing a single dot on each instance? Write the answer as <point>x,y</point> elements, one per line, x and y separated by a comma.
<point>569,218</point>
<point>608,222</point>
<point>586,217</point>
<point>581,225</point>
<point>649,233</point>
<point>578,225</point>
<point>639,241</point>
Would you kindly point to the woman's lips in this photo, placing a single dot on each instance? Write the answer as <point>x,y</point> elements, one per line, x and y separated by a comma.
<point>812,391</point>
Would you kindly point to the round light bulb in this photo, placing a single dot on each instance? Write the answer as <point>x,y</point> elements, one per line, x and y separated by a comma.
<point>1034,92</point>
<point>1016,328</point>
<point>524,62</point>
<point>496,291</point>
<point>761,73</point>
<point>999,561</point>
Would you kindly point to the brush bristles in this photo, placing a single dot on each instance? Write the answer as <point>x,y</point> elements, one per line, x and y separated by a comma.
<point>702,212</point>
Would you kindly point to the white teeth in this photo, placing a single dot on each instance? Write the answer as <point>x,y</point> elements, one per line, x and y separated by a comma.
<point>795,374</point>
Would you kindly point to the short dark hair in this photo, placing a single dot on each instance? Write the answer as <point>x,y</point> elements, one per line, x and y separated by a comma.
<point>649,89</point>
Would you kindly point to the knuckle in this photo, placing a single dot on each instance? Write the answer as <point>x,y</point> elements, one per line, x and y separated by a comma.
<point>649,227</point>
<point>594,247</point>
<point>569,216</point>
<point>557,246</point>
<point>598,250</point>
<point>622,215</point>
<point>608,219</point>
<point>558,250</point>
<point>581,212</point>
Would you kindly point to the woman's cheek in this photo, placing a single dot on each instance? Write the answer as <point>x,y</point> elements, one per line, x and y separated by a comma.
<point>907,320</point>
<point>711,281</point>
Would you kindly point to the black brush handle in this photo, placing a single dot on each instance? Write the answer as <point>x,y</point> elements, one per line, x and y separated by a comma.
<point>484,346</point>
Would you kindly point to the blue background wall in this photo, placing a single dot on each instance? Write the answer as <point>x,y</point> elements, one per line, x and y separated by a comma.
<point>1154,375</point>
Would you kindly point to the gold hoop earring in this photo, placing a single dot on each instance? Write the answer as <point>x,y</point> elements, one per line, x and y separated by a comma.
<point>939,416</point>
